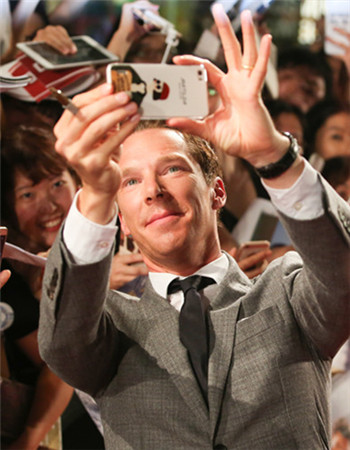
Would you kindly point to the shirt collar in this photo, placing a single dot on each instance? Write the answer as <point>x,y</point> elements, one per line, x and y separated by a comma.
<point>216,269</point>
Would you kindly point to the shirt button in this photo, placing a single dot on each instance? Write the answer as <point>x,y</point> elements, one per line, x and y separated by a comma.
<point>297,206</point>
<point>103,244</point>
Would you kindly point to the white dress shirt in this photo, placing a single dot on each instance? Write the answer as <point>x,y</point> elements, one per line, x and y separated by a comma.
<point>89,242</point>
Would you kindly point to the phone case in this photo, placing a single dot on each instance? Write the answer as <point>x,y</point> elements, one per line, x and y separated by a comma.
<point>161,90</point>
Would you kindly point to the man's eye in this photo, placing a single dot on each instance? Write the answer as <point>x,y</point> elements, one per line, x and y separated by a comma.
<point>131,182</point>
<point>173,169</point>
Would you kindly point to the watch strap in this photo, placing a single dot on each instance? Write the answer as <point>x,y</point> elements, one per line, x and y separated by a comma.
<point>276,169</point>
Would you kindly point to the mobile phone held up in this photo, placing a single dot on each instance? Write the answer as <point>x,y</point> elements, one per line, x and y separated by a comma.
<point>89,52</point>
<point>250,248</point>
<point>337,15</point>
<point>154,22</point>
<point>161,90</point>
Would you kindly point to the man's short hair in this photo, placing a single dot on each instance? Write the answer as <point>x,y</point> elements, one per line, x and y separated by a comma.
<point>199,149</point>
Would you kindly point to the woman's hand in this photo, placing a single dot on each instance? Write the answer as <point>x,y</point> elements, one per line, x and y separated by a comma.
<point>129,29</point>
<point>345,55</point>
<point>57,37</point>
<point>126,268</point>
<point>253,265</point>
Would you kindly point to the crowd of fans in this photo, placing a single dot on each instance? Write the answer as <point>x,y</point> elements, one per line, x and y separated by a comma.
<point>37,188</point>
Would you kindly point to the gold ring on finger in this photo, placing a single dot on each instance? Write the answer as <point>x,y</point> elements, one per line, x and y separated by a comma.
<point>247,67</point>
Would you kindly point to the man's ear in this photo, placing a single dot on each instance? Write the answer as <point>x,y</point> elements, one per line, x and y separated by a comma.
<point>123,225</point>
<point>219,194</point>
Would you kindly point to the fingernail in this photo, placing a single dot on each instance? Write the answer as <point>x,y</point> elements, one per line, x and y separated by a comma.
<point>247,16</point>
<point>131,107</point>
<point>219,13</point>
<point>105,88</point>
<point>122,97</point>
<point>135,118</point>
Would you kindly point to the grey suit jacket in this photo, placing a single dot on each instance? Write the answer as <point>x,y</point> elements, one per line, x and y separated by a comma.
<point>271,344</point>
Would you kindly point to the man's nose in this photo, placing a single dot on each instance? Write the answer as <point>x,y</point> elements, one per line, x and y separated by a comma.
<point>153,189</point>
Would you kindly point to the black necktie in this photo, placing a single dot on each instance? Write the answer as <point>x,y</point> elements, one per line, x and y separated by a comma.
<point>193,325</point>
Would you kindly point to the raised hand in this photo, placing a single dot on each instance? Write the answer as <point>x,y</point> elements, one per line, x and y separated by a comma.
<point>129,29</point>
<point>90,141</point>
<point>57,37</point>
<point>345,55</point>
<point>241,126</point>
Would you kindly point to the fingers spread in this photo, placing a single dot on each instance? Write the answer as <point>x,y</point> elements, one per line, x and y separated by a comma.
<point>250,52</point>
<point>260,69</point>
<point>231,46</point>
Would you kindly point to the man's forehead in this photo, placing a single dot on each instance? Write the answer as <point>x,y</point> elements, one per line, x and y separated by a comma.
<point>161,139</point>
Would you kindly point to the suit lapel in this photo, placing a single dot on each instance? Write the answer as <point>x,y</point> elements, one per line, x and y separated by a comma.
<point>223,319</point>
<point>161,340</point>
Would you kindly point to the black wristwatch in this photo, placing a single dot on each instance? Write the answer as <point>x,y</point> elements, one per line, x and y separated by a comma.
<point>276,169</point>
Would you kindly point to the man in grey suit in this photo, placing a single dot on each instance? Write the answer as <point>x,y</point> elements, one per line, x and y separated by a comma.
<point>270,341</point>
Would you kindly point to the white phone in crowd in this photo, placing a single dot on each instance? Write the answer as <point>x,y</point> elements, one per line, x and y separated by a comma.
<point>162,90</point>
<point>250,248</point>
<point>88,52</point>
<point>337,15</point>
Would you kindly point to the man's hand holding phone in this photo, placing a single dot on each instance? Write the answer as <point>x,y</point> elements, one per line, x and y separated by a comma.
<point>90,141</point>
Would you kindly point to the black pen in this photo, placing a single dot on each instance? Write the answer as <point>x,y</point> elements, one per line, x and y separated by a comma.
<point>65,101</point>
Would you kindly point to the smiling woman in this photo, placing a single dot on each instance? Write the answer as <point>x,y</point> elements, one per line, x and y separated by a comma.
<point>37,187</point>
<point>328,129</point>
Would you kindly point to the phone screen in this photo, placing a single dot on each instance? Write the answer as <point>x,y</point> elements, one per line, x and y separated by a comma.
<point>85,53</point>
<point>88,52</point>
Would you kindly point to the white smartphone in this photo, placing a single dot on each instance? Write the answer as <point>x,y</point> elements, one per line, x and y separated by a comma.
<point>337,15</point>
<point>250,248</point>
<point>162,90</point>
<point>89,52</point>
<point>233,8</point>
<point>154,22</point>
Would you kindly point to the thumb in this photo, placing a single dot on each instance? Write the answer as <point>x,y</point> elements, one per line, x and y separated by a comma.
<point>195,127</point>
